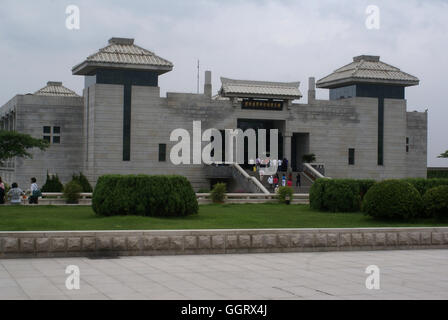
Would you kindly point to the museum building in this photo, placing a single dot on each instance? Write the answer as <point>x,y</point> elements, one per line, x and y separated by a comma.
<point>122,125</point>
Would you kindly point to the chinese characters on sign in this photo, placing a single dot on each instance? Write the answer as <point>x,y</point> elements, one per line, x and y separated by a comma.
<point>262,104</point>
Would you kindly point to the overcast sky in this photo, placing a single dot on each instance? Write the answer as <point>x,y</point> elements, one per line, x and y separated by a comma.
<point>287,40</point>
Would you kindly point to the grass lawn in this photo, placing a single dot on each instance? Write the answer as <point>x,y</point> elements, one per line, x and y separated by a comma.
<point>238,216</point>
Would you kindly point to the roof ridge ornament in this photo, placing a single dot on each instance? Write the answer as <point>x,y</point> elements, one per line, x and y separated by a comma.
<point>366,58</point>
<point>54,83</point>
<point>122,41</point>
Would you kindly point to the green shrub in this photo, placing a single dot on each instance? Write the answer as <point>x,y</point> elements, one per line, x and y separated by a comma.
<point>83,182</point>
<point>218,193</point>
<point>317,194</point>
<point>395,199</point>
<point>435,202</point>
<point>342,195</point>
<point>53,184</point>
<point>337,195</point>
<point>422,185</point>
<point>72,192</point>
<point>364,186</point>
<point>145,195</point>
<point>284,193</point>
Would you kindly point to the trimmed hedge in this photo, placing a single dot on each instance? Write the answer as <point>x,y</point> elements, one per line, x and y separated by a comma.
<point>364,186</point>
<point>339,195</point>
<point>435,202</point>
<point>342,195</point>
<point>423,185</point>
<point>160,195</point>
<point>316,194</point>
<point>395,199</point>
<point>437,174</point>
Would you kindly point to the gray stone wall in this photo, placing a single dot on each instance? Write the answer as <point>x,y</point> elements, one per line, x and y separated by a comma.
<point>8,122</point>
<point>92,129</point>
<point>333,127</point>
<point>417,132</point>
<point>32,114</point>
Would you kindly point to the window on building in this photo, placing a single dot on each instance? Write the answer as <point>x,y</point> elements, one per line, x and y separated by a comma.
<point>407,144</point>
<point>162,152</point>
<point>52,134</point>
<point>351,156</point>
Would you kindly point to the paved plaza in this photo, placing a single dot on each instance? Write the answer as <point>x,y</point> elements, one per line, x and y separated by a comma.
<point>411,274</point>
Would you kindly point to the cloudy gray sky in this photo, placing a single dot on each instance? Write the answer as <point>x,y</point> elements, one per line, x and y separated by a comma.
<point>283,40</point>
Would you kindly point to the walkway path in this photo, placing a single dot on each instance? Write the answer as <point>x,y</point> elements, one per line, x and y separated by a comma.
<point>419,274</point>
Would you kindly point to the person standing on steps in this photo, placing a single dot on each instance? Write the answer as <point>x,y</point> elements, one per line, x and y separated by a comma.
<point>298,182</point>
<point>276,181</point>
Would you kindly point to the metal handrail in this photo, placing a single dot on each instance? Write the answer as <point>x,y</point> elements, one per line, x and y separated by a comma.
<point>314,173</point>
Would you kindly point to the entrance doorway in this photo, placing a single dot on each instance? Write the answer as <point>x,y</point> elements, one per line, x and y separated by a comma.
<point>256,124</point>
<point>300,145</point>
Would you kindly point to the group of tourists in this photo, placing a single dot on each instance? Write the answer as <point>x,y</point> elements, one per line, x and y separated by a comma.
<point>262,165</point>
<point>274,181</point>
<point>281,164</point>
<point>17,196</point>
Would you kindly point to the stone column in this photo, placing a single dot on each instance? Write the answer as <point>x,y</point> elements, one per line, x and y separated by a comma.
<point>208,84</point>
<point>311,90</point>
<point>287,148</point>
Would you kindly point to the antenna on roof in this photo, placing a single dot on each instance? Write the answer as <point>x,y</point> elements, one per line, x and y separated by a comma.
<point>198,78</point>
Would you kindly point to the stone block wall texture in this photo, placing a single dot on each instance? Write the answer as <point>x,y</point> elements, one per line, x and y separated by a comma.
<point>333,128</point>
<point>92,133</point>
<point>116,243</point>
<point>32,114</point>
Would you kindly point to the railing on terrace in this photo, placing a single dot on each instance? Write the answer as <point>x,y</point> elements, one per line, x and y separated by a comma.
<point>254,180</point>
<point>60,195</point>
<point>253,198</point>
<point>203,198</point>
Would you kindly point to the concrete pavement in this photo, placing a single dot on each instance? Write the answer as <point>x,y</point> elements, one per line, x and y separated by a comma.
<point>410,274</point>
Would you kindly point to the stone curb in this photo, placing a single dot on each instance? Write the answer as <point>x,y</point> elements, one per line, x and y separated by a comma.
<point>176,242</point>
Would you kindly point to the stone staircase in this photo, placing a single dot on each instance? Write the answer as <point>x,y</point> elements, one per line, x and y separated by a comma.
<point>306,182</point>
